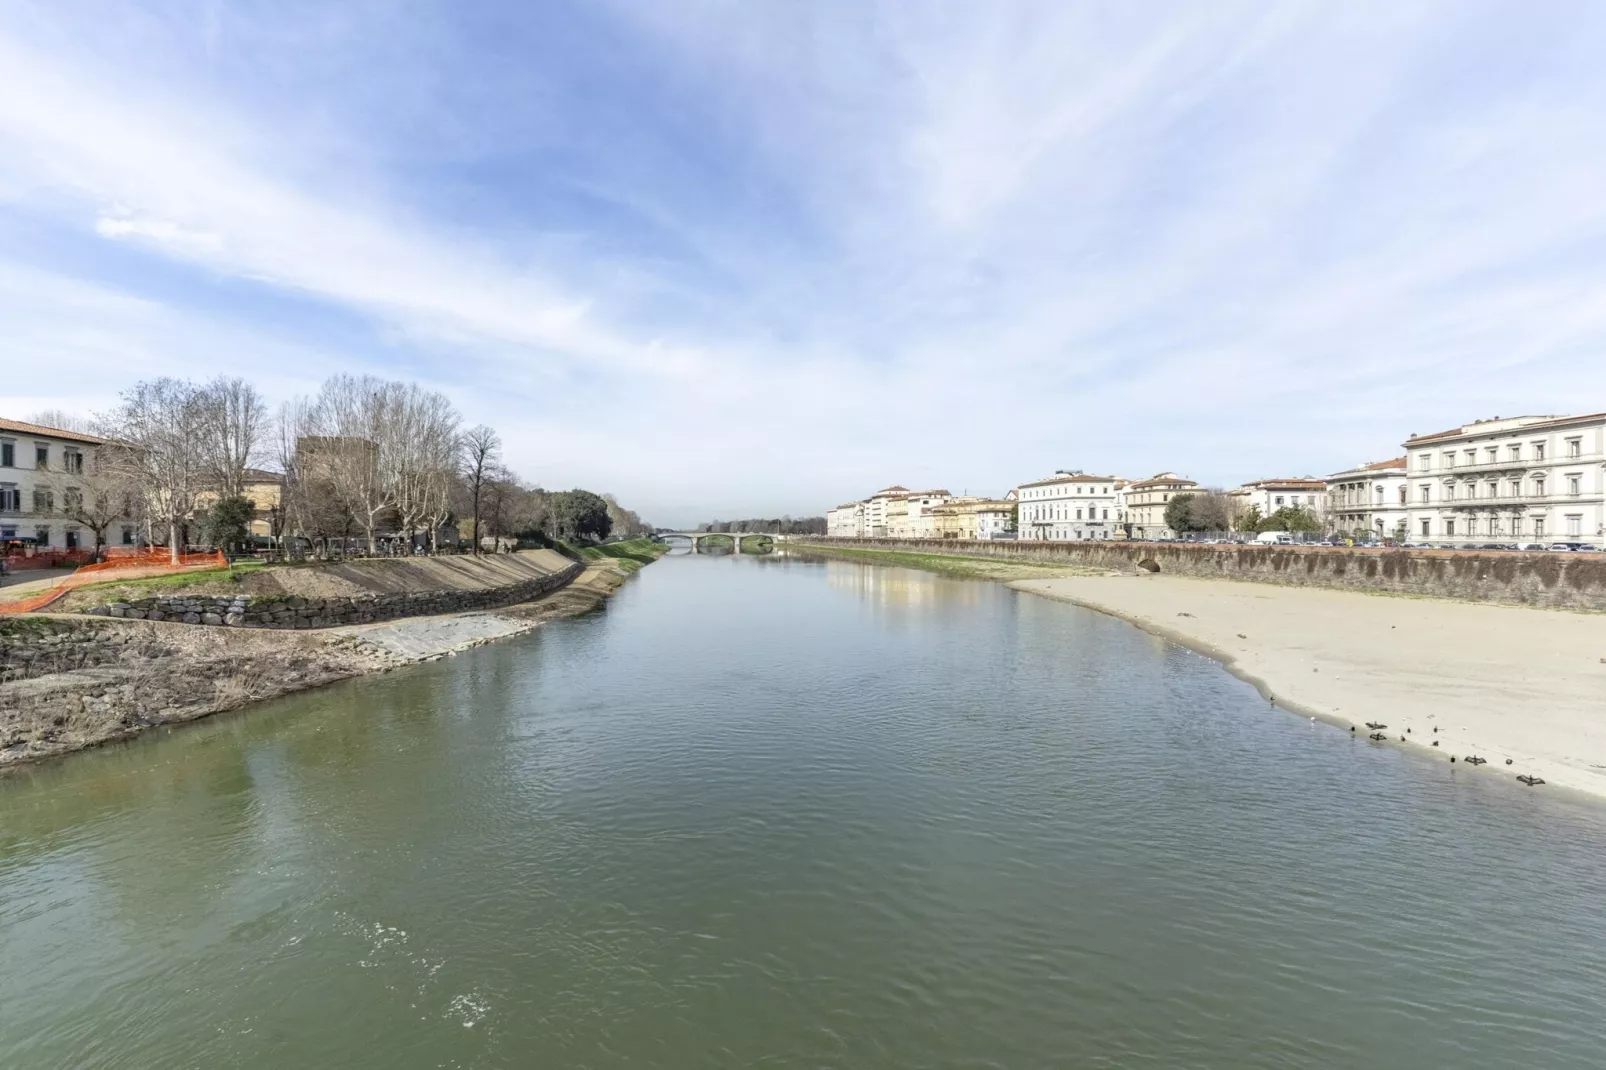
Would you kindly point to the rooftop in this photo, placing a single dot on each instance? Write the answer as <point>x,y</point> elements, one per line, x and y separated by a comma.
<point>1070,477</point>
<point>18,427</point>
<point>1496,424</point>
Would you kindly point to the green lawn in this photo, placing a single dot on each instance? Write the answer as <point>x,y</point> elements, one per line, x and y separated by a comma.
<point>630,554</point>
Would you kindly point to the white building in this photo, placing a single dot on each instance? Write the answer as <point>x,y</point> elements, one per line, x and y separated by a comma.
<point>1070,506</point>
<point>1146,500</point>
<point>917,521</point>
<point>46,480</point>
<point>1524,479</point>
<point>1369,498</point>
<point>875,510</point>
<point>1269,495</point>
<point>845,521</point>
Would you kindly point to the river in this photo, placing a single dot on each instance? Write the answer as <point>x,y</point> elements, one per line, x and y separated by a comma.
<point>769,812</point>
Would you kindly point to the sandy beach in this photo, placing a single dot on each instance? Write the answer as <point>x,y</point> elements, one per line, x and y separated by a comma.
<point>1497,682</point>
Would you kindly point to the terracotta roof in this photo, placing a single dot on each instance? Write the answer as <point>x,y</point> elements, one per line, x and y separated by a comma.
<point>1163,477</point>
<point>262,475</point>
<point>1479,428</point>
<point>20,428</point>
<point>926,493</point>
<point>884,491</point>
<point>1391,465</point>
<point>1065,477</point>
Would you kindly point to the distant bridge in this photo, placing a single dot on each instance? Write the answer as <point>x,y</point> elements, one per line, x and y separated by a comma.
<point>697,537</point>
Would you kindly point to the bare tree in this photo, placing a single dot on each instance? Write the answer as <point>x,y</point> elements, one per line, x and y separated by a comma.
<point>482,451</point>
<point>233,423</point>
<point>153,446</point>
<point>62,420</point>
<point>107,492</point>
<point>345,429</point>
<point>419,457</point>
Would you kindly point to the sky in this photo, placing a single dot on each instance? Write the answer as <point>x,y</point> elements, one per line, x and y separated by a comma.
<point>730,258</point>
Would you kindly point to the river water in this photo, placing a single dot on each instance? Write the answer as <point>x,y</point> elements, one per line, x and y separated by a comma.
<point>784,813</point>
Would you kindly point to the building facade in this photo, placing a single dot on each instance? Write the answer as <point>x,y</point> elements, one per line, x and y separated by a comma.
<point>974,518</point>
<point>1529,479</point>
<point>914,513</point>
<point>845,521</point>
<point>1071,506</point>
<point>1269,495</point>
<point>50,498</point>
<point>875,510</point>
<point>1146,500</point>
<point>1369,498</point>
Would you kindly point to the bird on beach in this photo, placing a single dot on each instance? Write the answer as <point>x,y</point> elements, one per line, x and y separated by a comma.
<point>1508,761</point>
<point>1473,759</point>
<point>1435,743</point>
<point>1378,736</point>
<point>1375,725</point>
<point>1407,731</point>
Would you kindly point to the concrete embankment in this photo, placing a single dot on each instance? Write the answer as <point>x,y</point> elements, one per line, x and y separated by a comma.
<point>1551,580</point>
<point>69,682</point>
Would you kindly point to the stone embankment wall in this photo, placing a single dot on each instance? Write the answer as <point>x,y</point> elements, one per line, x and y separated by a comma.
<point>243,611</point>
<point>1555,580</point>
<point>67,683</point>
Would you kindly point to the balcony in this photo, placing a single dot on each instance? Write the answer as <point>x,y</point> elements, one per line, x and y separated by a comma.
<point>1518,500</point>
<point>1506,465</point>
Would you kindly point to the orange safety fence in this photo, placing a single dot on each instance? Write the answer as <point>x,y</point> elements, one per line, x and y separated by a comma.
<point>149,562</point>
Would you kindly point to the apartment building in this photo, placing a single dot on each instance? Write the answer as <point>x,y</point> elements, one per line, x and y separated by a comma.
<point>1070,506</point>
<point>845,521</point>
<point>1269,495</point>
<point>974,518</point>
<point>1146,500</point>
<point>1370,498</point>
<point>915,514</point>
<point>875,510</point>
<point>1521,479</point>
<point>47,490</point>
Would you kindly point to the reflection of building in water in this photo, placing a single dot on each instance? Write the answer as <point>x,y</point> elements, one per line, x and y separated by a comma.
<point>901,588</point>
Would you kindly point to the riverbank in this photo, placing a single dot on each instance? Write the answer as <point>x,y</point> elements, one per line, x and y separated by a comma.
<point>958,566</point>
<point>120,678</point>
<point>1449,679</point>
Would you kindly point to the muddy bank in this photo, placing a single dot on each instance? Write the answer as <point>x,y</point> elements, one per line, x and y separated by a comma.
<point>70,682</point>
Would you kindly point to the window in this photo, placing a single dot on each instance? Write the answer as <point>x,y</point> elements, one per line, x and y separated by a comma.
<point>41,456</point>
<point>8,454</point>
<point>72,538</point>
<point>1449,458</point>
<point>1279,499</point>
<point>1079,514</point>
<point>1106,515</point>
<point>1449,527</point>
<point>1575,525</point>
<point>1494,454</point>
<point>1423,462</point>
<point>1472,457</point>
<point>1516,488</point>
<point>42,534</point>
<point>1572,486</point>
<point>1539,527</point>
<point>73,462</point>
<point>1516,452</point>
<point>1575,447</point>
<point>10,500</point>
<point>1426,528</point>
<point>72,500</point>
<point>44,501</point>
<point>1539,487</point>
<point>1539,451</point>
<point>1494,525</point>
<point>1427,493</point>
<point>1402,494</point>
<point>1472,490</point>
<point>1494,489</point>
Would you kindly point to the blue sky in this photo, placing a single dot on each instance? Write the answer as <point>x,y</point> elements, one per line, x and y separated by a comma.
<point>742,258</point>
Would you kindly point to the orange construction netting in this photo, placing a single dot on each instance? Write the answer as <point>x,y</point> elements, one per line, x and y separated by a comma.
<point>147,562</point>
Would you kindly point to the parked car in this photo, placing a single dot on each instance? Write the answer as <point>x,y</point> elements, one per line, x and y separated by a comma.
<point>1528,546</point>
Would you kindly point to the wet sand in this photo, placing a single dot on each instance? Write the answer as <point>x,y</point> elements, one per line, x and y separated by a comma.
<point>1496,682</point>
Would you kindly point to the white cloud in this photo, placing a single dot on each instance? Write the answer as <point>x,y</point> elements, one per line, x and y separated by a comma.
<point>983,241</point>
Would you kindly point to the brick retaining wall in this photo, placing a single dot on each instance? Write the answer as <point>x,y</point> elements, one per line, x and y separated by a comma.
<point>1554,580</point>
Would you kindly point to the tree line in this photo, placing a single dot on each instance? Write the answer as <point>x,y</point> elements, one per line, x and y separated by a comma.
<point>785,525</point>
<point>363,460</point>
<point>1214,511</point>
